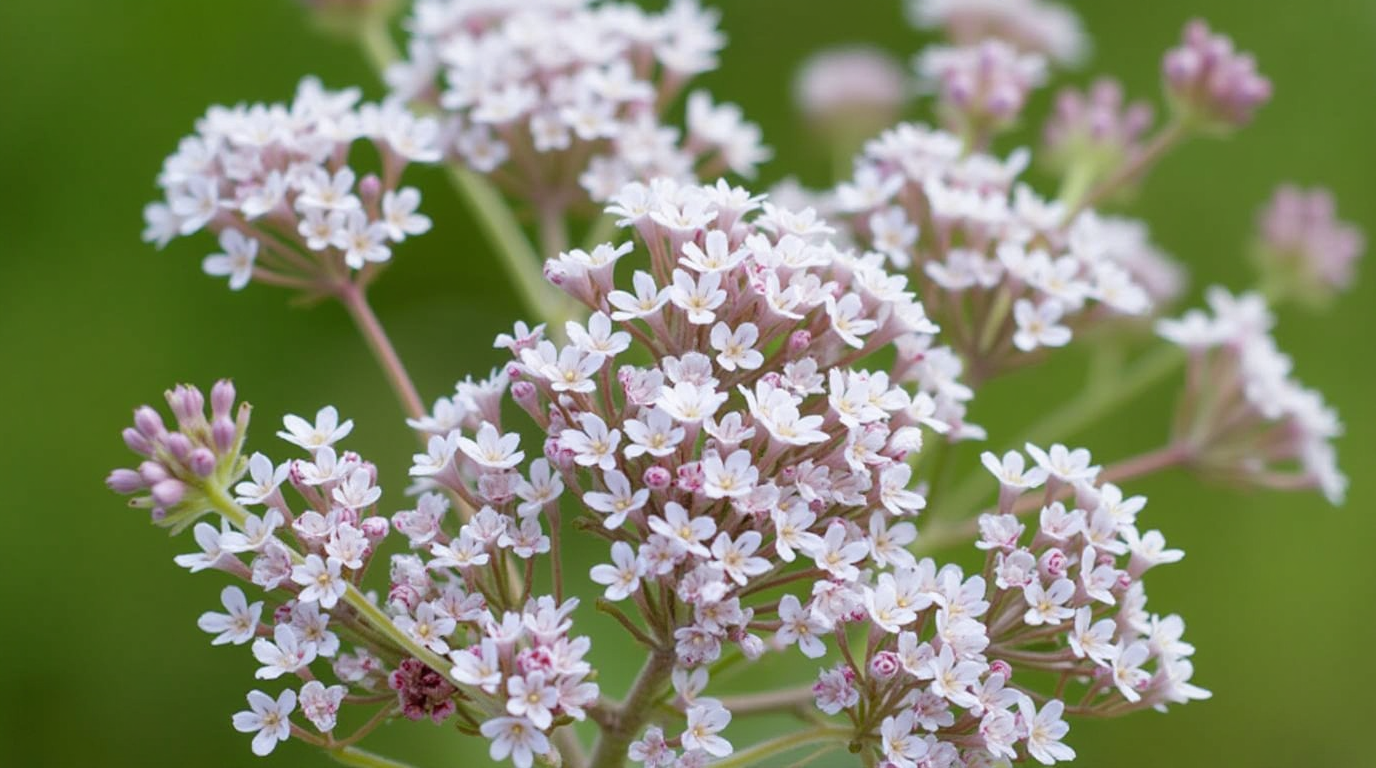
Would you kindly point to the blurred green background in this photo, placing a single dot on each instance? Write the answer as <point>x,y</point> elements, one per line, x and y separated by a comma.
<point>102,663</point>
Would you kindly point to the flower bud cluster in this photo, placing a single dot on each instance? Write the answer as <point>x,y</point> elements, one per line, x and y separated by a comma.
<point>200,451</point>
<point>992,250</point>
<point>1094,131</point>
<point>273,181</point>
<point>1033,26</point>
<point>1244,419</point>
<point>550,95</point>
<point>1211,83</point>
<point>981,88</point>
<point>1304,247</point>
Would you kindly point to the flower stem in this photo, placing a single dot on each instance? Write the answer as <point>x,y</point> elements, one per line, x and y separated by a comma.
<point>377,44</point>
<point>523,265</point>
<point>1134,169</point>
<point>765,749</point>
<point>360,759</point>
<point>625,721</point>
<point>354,300</point>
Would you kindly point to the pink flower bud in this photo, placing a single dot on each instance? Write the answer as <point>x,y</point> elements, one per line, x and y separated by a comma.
<point>153,472</point>
<point>885,665</point>
<point>282,613</point>
<point>1053,563</point>
<point>1001,667</point>
<point>374,528</point>
<point>149,423</point>
<point>178,445</point>
<point>222,398</point>
<point>125,481</point>
<point>169,492</point>
<point>202,462</point>
<point>224,433</point>
<point>137,442</point>
<point>187,403</point>
<point>657,478</point>
<point>798,342</point>
<point>370,188</point>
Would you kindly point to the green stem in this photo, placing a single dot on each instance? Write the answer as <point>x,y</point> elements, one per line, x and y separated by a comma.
<point>354,300</point>
<point>518,256</point>
<point>361,759</point>
<point>377,45</point>
<point>765,749</point>
<point>625,720</point>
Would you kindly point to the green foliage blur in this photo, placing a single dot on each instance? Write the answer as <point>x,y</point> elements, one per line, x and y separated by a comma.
<point>102,663</point>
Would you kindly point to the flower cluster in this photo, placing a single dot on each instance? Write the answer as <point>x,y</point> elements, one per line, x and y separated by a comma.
<point>513,669</point>
<point>984,87</point>
<point>1034,26</point>
<point>551,95</point>
<point>1093,132</point>
<point>1304,248</point>
<point>1243,418</point>
<point>1210,82</point>
<point>273,181</point>
<point>951,661</point>
<point>971,236</point>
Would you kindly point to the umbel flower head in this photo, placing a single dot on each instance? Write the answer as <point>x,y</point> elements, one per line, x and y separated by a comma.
<point>1244,419</point>
<point>1034,26</point>
<point>559,100</point>
<point>274,183</point>
<point>967,232</point>
<point>749,453</point>
<point>1303,249</point>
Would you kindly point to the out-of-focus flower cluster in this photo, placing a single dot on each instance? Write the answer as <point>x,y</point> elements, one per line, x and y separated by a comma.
<point>1034,26</point>
<point>1303,248</point>
<point>274,182</point>
<point>548,96</point>
<point>1243,418</point>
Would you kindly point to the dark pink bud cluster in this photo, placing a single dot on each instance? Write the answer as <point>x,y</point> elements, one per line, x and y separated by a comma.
<point>178,461</point>
<point>422,692</point>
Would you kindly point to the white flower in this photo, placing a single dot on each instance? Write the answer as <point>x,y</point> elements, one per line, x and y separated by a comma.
<point>399,217</point>
<point>1064,464</point>
<point>324,433</point>
<point>358,491</point>
<point>687,533</point>
<point>705,721</point>
<point>836,556</point>
<point>480,667</point>
<point>264,480</point>
<point>647,301</point>
<point>598,336</point>
<point>1038,325</point>
<point>1011,472</point>
<point>656,435</point>
<point>901,746</point>
<point>492,449</point>
<point>717,257</point>
<point>320,705</point>
<point>428,627</point>
<point>1045,729</point>
<point>698,297</point>
<point>1093,640</point>
<point>531,697</point>
<point>799,625</point>
<point>594,445</point>
<point>1128,674</point>
<point>622,577</point>
<point>320,580</point>
<point>236,262</point>
<point>1048,606</point>
<point>690,403</point>
<point>258,531</point>
<point>516,737</point>
<point>736,557</point>
<point>619,501</point>
<point>267,718</point>
<point>239,625</point>
<point>543,487</point>
<point>732,478</point>
<point>737,348</point>
<point>361,241</point>
<point>284,654</point>
<point>847,320</point>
